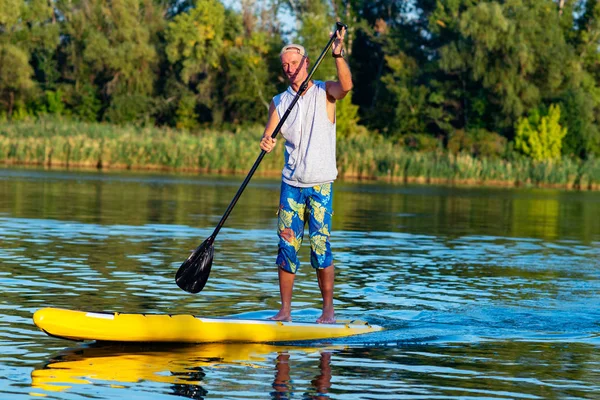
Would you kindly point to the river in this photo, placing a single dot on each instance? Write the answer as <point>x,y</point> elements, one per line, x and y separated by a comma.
<point>483,292</point>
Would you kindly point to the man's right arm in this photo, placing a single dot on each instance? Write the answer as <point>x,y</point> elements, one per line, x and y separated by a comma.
<point>267,143</point>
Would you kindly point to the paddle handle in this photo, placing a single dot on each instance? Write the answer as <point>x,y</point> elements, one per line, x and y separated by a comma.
<point>303,87</point>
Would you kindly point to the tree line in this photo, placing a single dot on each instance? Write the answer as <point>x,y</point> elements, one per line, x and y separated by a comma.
<point>489,78</point>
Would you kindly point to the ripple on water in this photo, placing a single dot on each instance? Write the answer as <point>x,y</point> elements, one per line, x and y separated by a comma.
<point>466,315</point>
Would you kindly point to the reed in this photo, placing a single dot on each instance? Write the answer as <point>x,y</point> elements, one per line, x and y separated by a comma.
<point>75,144</point>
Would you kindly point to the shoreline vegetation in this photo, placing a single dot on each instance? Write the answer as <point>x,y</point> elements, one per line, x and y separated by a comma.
<point>69,144</point>
<point>186,86</point>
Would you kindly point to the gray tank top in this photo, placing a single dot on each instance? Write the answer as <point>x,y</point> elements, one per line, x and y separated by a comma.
<point>309,138</point>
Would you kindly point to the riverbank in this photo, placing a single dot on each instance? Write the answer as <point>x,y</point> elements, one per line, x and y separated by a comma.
<point>68,144</point>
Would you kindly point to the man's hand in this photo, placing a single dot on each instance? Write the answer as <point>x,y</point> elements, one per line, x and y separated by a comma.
<point>267,143</point>
<point>338,43</point>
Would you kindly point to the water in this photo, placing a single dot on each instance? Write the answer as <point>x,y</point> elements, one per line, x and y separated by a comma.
<point>484,293</point>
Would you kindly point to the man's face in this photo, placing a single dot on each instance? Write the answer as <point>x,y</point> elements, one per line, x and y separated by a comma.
<point>294,66</point>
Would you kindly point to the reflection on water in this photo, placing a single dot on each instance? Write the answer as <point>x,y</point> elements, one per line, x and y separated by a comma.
<point>245,371</point>
<point>484,293</point>
<point>283,387</point>
<point>180,367</point>
<point>184,370</point>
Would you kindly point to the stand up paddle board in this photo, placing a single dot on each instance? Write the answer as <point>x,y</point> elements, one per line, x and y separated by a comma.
<point>121,327</point>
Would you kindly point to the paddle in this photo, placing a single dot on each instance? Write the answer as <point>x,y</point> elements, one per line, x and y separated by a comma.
<point>193,273</point>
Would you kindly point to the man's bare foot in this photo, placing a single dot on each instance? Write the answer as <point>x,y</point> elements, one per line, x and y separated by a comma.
<point>328,317</point>
<point>282,316</point>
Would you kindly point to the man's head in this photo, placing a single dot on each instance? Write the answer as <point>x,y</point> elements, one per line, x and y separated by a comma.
<point>293,48</point>
<point>294,61</point>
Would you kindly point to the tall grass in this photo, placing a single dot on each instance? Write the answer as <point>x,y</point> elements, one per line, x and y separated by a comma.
<point>106,146</point>
<point>73,144</point>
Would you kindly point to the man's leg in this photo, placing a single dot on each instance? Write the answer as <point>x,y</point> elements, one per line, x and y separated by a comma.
<point>290,231</point>
<point>326,277</point>
<point>321,258</point>
<point>286,286</point>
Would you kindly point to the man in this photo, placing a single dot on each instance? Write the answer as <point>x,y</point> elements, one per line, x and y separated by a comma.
<point>308,172</point>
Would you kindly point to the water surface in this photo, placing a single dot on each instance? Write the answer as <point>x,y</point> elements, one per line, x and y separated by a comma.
<point>484,293</point>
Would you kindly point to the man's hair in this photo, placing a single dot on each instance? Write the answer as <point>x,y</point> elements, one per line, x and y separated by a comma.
<point>295,48</point>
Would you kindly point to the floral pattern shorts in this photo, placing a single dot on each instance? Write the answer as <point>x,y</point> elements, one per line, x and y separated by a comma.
<point>298,206</point>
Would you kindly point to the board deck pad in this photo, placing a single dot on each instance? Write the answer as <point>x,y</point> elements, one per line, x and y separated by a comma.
<point>186,328</point>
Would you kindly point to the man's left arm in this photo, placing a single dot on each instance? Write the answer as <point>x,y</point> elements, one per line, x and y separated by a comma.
<point>338,89</point>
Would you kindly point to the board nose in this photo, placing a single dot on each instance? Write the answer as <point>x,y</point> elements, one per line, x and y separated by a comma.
<point>38,316</point>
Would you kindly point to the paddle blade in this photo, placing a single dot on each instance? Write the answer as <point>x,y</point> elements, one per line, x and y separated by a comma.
<point>193,273</point>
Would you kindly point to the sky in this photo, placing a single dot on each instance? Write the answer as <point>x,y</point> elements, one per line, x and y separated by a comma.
<point>284,15</point>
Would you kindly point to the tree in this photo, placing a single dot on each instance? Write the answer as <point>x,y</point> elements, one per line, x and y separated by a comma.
<point>15,75</point>
<point>110,44</point>
<point>194,46</point>
<point>250,67</point>
<point>540,136</point>
<point>24,28</point>
<point>581,100</point>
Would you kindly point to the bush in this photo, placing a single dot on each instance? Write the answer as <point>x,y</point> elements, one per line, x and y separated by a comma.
<point>420,142</point>
<point>346,117</point>
<point>478,142</point>
<point>540,137</point>
<point>129,109</point>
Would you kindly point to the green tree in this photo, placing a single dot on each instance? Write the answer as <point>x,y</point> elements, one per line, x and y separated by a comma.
<point>194,46</point>
<point>249,63</point>
<point>515,49</point>
<point>582,116</point>
<point>111,44</point>
<point>581,101</point>
<point>540,137</point>
<point>186,114</point>
<point>86,104</point>
<point>399,87</point>
<point>15,76</point>
<point>347,118</point>
<point>24,27</point>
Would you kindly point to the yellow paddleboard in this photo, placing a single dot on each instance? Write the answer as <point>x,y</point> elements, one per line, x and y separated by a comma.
<point>118,327</point>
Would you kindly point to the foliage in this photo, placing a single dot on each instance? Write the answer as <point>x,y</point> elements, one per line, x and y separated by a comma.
<point>54,101</point>
<point>247,82</point>
<point>54,142</point>
<point>86,104</point>
<point>346,117</point>
<point>186,114</point>
<point>420,142</point>
<point>540,137</point>
<point>463,73</point>
<point>478,142</point>
<point>110,44</point>
<point>15,75</point>
<point>581,118</point>
<point>129,109</point>
<point>194,39</point>
<point>23,31</point>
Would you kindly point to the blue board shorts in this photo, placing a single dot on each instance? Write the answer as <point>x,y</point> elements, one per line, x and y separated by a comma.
<point>297,206</point>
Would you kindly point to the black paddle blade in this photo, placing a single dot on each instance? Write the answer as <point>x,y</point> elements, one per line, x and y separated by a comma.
<point>193,273</point>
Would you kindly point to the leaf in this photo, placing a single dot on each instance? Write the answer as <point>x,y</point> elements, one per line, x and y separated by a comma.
<point>297,208</point>
<point>319,244</point>
<point>285,219</point>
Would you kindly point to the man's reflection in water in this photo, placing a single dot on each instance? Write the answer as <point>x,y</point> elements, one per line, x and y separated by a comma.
<point>321,383</point>
<point>282,384</point>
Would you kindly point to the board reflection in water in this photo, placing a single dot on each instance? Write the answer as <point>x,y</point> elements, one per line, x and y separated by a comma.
<point>186,369</point>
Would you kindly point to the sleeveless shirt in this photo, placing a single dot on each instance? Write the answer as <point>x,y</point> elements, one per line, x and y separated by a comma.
<point>309,137</point>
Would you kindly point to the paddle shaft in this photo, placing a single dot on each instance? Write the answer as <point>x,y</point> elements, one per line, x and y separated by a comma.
<point>303,87</point>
